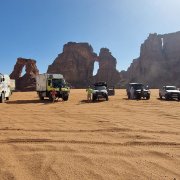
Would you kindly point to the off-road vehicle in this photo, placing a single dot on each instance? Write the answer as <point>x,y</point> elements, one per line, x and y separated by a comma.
<point>100,91</point>
<point>140,91</point>
<point>169,92</point>
<point>47,83</point>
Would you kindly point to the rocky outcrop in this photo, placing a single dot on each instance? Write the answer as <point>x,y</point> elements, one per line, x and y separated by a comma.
<point>159,61</point>
<point>76,63</point>
<point>26,82</point>
<point>107,68</point>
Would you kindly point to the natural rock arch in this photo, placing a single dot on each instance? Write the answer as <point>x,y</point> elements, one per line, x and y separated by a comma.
<point>27,81</point>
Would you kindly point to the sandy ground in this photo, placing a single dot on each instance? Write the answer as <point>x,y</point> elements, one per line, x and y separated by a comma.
<point>115,139</point>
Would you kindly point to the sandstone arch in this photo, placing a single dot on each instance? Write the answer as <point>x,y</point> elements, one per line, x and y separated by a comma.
<point>27,81</point>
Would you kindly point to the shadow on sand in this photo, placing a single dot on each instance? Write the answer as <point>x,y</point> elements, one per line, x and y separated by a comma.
<point>46,101</point>
<point>163,99</point>
<point>86,101</point>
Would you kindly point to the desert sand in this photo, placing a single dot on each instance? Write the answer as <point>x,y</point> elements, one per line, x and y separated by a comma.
<point>115,139</point>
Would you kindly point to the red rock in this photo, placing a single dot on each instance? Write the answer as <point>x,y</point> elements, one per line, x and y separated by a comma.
<point>107,68</point>
<point>76,63</point>
<point>27,82</point>
<point>159,62</point>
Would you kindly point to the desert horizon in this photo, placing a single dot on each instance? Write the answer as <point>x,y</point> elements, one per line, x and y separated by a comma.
<point>115,139</point>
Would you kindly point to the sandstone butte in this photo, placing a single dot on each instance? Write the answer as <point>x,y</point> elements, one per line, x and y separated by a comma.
<point>157,65</point>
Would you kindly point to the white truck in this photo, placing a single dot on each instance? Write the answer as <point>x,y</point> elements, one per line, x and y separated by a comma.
<point>48,83</point>
<point>7,86</point>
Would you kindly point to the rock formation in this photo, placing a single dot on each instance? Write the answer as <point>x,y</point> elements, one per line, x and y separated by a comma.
<point>26,82</point>
<point>107,68</point>
<point>76,63</point>
<point>159,62</point>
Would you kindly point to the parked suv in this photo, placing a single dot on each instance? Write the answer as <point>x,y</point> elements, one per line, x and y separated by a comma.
<point>100,91</point>
<point>140,91</point>
<point>169,92</point>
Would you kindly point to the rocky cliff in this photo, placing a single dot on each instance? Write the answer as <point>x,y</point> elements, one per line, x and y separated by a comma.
<point>159,62</point>
<point>26,82</point>
<point>76,63</point>
<point>107,68</point>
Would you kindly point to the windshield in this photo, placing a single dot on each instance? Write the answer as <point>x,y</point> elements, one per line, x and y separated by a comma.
<point>58,83</point>
<point>138,86</point>
<point>100,88</point>
<point>171,88</point>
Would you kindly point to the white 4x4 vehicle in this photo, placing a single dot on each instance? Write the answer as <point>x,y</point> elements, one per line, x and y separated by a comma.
<point>169,92</point>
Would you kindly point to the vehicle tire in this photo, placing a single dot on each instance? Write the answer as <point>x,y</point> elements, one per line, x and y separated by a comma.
<point>2,98</point>
<point>160,96</point>
<point>65,98</point>
<point>148,97</point>
<point>7,98</point>
<point>179,98</point>
<point>138,97</point>
<point>129,96</point>
<point>41,97</point>
<point>107,98</point>
<point>166,97</point>
<point>94,98</point>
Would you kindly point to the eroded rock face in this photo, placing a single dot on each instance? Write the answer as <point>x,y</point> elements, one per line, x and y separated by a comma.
<point>76,63</point>
<point>26,82</point>
<point>159,61</point>
<point>107,68</point>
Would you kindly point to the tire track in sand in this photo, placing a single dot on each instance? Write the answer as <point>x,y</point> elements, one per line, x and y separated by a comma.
<point>130,143</point>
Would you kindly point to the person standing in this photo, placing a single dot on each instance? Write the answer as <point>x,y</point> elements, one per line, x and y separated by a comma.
<point>53,95</point>
<point>89,93</point>
<point>132,92</point>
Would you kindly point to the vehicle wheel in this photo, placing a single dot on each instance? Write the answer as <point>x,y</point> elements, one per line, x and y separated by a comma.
<point>65,98</point>
<point>129,96</point>
<point>94,98</point>
<point>167,97</point>
<point>107,98</point>
<point>148,97</point>
<point>7,98</point>
<point>2,98</point>
<point>41,97</point>
<point>179,98</point>
<point>138,97</point>
<point>160,96</point>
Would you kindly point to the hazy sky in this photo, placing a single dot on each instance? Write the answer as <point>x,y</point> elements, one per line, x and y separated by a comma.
<point>38,29</point>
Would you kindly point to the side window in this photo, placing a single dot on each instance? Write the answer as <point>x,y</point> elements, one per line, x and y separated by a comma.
<point>49,82</point>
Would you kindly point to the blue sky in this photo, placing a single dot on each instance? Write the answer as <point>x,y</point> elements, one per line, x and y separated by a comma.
<point>38,29</point>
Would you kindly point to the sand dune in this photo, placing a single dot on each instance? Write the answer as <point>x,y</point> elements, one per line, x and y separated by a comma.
<point>118,139</point>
